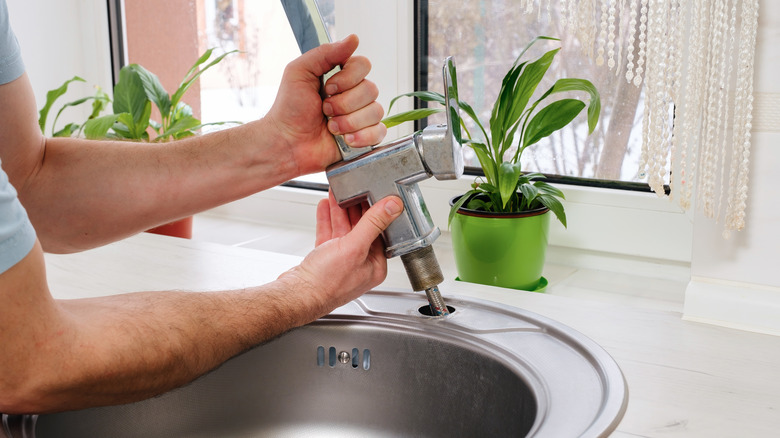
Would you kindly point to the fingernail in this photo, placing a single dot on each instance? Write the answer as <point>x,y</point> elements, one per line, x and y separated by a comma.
<point>349,138</point>
<point>327,109</point>
<point>393,207</point>
<point>331,89</point>
<point>333,127</point>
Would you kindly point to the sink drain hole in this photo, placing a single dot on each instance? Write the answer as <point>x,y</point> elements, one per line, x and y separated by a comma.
<point>426,310</point>
<point>332,357</point>
<point>355,358</point>
<point>320,356</point>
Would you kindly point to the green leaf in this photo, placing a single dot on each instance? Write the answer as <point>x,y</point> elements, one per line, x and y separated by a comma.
<point>192,76</point>
<point>51,97</point>
<point>134,131</point>
<point>98,127</point>
<point>182,126</point>
<point>555,206</point>
<point>508,176</point>
<point>130,97</point>
<point>485,161</point>
<point>408,116</point>
<point>479,204</point>
<point>67,130</point>
<point>548,189</point>
<point>501,106</point>
<point>100,103</point>
<point>526,86</point>
<point>466,108</point>
<point>69,104</point>
<point>427,96</point>
<point>530,192</point>
<point>462,200</point>
<point>551,118</point>
<point>154,90</point>
<point>487,188</point>
<point>574,84</point>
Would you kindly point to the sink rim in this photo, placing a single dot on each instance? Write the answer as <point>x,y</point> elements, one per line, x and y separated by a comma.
<point>615,397</point>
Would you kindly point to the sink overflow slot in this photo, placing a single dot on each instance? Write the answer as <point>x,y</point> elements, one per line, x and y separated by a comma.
<point>344,357</point>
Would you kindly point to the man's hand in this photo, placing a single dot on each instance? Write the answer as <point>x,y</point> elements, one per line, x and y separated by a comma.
<point>297,114</point>
<point>349,258</point>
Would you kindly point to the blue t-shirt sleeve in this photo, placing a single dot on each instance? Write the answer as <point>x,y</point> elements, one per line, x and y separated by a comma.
<point>17,235</point>
<point>11,65</point>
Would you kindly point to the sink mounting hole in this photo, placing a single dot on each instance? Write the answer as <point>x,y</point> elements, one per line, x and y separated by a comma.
<point>426,310</point>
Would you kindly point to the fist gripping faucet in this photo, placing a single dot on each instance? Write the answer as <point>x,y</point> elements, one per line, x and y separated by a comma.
<point>394,168</point>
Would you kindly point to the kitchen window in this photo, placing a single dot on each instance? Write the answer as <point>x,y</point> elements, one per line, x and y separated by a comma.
<point>489,34</point>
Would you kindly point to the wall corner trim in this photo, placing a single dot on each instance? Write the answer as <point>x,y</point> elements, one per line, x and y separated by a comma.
<point>738,305</point>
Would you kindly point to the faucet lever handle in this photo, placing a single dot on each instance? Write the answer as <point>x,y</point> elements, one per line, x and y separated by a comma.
<point>440,145</point>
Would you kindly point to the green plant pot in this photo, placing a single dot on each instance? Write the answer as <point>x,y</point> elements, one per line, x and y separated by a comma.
<point>500,249</point>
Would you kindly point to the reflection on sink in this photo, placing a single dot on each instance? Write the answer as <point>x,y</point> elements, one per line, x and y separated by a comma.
<point>377,367</point>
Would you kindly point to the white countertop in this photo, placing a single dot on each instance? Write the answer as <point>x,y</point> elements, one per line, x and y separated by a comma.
<point>684,378</point>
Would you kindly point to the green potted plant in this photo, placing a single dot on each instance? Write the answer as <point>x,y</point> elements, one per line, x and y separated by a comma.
<point>500,227</point>
<point>130,118</point>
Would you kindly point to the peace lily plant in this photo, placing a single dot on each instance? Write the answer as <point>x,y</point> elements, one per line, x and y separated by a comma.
<point>515,124</point>
<point>134,94</point>
<point>500,227</point>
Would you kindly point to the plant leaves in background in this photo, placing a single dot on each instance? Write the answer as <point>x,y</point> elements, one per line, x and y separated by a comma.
<point>51,97</point>
<point>508,173</point>
<point>555,206</point>
<point>154,89</point>
<point>130,97</point>
<point>98,127</point>
<point>551,118</point>
<point>408,116</point>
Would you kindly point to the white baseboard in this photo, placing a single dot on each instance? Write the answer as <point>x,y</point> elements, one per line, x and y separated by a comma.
<point>737,305</point>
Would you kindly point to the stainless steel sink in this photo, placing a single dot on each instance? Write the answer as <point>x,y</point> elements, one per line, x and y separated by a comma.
<point>378,367</point>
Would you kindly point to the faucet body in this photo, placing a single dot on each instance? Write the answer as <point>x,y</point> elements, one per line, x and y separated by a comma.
<point>395,168</point>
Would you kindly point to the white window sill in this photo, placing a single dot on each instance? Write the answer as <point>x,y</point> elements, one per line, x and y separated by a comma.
<point>613,269</point>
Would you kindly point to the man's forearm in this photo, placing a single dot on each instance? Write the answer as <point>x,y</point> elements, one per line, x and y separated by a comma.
<point>123,348</point>
<point>86,193</point>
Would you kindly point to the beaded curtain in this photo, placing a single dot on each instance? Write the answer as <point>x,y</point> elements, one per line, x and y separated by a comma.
<point>695,59</point>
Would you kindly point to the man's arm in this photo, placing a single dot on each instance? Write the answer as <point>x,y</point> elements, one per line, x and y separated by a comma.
<point>84,193</point>
<point>72,354</point>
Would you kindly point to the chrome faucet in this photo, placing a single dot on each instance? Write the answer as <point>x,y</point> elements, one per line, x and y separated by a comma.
<point>395,168</point>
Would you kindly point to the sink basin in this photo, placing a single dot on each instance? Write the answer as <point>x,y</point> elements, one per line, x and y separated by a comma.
<point>378,367</point>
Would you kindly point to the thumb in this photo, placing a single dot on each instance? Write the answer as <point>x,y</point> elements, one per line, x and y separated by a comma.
<point>375,220</point>
<point>324,58</point>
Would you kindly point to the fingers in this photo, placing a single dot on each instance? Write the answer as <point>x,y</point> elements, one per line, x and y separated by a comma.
<point>375,220</point>
<point>352,107</point>
<point>362,127</point>
<point>324,58</point>
<point>323,229</point>
<point>352,99</point>
<point>352,73</point>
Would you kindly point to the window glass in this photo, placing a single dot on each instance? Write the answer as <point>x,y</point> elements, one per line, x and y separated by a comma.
<point>485,37</point>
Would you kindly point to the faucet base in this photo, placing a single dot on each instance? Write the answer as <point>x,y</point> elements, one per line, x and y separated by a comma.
<point>424,273</point>
<point>423,268</point>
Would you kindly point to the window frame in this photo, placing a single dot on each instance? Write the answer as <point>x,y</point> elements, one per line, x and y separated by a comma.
<point>602,220</point>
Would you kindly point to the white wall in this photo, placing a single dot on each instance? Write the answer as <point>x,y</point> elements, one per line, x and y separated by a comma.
<point>60,39</point>
<point>736,282</point>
